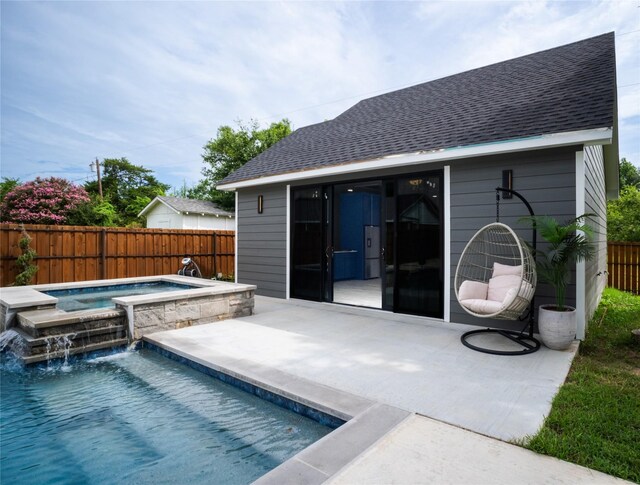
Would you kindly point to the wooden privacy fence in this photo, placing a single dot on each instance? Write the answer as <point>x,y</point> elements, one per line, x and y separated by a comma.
<point>623,261</point>
<point>79,253</point>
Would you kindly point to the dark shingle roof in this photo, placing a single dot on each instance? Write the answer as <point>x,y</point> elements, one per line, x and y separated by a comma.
<point>564,89</point>
<point>193,205</point>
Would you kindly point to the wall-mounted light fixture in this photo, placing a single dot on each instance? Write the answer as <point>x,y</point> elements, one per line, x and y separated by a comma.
<point>260,204</point>
<point>507,183</point>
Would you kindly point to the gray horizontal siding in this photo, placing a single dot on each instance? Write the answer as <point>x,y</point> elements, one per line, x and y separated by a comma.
<point>595,203</point>
<point>262,240</point>
<point>262,220</point>
<point>261,236</point>
<point>251,204</point>
<point>546,178</point>
<point>262,264</point>
<point>266,253</point>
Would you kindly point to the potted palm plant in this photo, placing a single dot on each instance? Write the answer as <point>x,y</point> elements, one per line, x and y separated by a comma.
<point>566,244</point>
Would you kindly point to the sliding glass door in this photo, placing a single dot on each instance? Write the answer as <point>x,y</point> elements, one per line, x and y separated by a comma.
<point>418,258</point>
<point>311,255</point>
<point>375,243</point>
<point>306,274</point>
<point>388,246</point>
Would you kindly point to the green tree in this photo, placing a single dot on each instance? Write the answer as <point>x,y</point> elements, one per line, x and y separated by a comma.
<point>180,191</point>
<point>629,174</point>
<point>96,212</point>
<point>200,191</point>
<point>230,150</point>
<point>623,215</point>
<point>7,185</point>
<point>127,187</point>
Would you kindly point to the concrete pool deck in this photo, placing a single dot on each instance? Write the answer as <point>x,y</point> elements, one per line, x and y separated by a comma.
<point>365,362</point>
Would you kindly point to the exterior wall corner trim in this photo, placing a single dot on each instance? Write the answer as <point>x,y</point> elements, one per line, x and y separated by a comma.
<point>447,245</point>
<point>581,266</point>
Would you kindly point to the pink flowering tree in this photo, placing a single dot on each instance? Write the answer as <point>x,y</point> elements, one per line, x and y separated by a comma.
<point>43,201</point>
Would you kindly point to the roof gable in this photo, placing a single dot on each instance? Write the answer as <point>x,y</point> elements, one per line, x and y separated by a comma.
<point>182,205</point>
<point>565,89</point>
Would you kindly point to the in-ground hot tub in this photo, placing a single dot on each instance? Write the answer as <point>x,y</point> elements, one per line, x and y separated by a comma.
<point>87,298</point>
<point>56,320</point>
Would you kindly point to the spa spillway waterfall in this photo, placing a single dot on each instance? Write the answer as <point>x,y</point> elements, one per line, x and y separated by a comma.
<point>45,334</point>
<point>45,322</point>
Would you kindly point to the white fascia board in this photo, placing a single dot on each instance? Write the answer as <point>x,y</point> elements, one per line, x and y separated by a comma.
<point>152,204</point>
<point>596,136</point>
<point>447,244</point>
<point>580,266</point>
<point>235,245</point>
<point>287,243</point>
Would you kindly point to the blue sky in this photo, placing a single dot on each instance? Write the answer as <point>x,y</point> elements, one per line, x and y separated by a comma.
<point>153,81</point>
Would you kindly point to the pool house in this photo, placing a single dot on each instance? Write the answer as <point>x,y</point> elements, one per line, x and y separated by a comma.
<point>374,207</point>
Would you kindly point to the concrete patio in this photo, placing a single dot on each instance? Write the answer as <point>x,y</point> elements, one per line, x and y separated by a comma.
<point>411,363</point>
<point>387,376</point>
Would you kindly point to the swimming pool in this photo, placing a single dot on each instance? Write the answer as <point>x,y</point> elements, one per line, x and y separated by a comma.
<point>86,298</point>
<point>138,417</point>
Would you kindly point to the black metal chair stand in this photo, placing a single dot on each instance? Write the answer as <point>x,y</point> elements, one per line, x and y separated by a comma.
<point>527,341</point>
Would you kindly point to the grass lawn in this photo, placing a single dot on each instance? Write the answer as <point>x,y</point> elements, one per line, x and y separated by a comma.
<point>595,418</point>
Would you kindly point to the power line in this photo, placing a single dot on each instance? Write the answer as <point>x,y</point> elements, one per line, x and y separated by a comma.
<point>287,113</point>
<point>630,32</point>
<point>163,142</point>
<point>86,177</point>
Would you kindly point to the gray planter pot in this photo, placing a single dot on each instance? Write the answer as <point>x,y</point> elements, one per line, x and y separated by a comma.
<point>557,329</point>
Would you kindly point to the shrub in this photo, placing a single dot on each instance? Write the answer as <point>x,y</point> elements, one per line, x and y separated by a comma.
<point>623,216</point>
<point>24,261</point>
<point>43,201</point>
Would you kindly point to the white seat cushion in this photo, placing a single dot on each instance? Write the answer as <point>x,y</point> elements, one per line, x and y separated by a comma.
<point>492,297</point>
<point>473,290</point>
<point>506,269</point>
<point>483,307</point>
<point>526,292</point>
<point>499,286</point>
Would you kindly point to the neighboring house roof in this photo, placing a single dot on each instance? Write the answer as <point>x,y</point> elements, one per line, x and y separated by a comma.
<point>565,89</point>
<point>191,206</point>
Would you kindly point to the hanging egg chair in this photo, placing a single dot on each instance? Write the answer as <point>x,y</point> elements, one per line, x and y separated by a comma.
<point>496,278</point>
<point>496,275</point>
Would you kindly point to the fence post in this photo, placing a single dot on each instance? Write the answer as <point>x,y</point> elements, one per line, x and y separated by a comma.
<point>103,254</point>
<point>215,255</point>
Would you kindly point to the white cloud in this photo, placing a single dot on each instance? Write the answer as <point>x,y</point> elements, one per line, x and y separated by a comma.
<point>128,77</point>
<point>629,102</point>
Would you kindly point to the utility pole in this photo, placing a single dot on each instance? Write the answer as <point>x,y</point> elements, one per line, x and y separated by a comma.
<point>97,163</point>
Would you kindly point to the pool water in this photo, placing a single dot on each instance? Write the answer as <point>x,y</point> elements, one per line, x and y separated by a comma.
<point>137,417</point>
<point>100,297</point>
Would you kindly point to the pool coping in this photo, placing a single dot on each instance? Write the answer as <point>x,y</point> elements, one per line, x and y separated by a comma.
<point>31,296</point>
<point>366,422</point>
<point>16,297</point>
<point>189,280</point>
<point>53,317</point>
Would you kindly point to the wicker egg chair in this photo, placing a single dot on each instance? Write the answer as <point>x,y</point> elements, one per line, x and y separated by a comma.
<point>498,269</point>
<point>496,278</point>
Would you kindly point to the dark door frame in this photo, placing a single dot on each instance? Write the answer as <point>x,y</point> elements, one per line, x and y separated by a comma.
<point>326,189</point>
